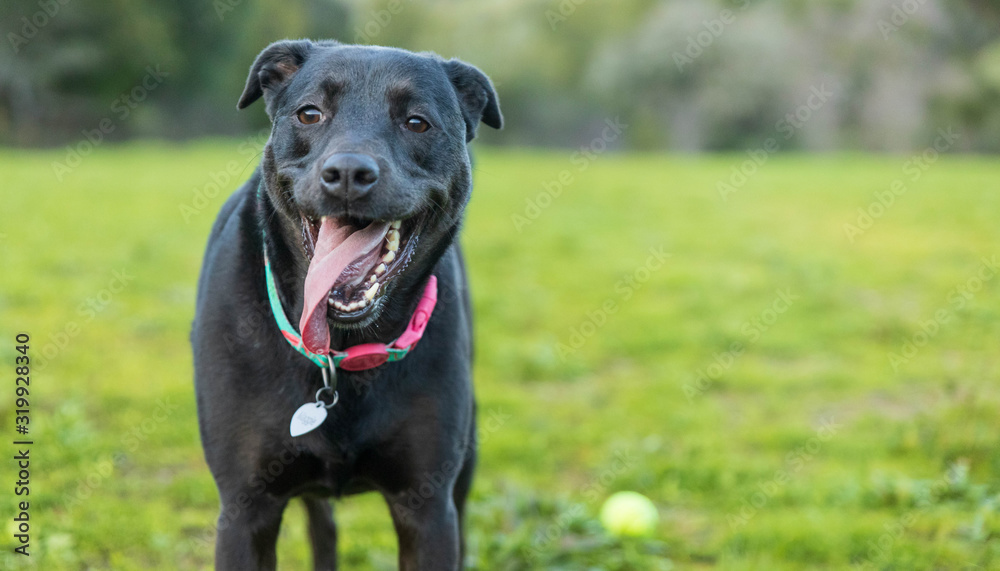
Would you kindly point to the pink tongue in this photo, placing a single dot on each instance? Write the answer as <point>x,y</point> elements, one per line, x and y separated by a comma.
<point>336,248</point>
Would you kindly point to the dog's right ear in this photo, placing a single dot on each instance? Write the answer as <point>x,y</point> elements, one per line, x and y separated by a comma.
<point>274,66</point>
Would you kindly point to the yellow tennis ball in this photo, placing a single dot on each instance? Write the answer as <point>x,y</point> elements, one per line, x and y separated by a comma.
<point>629,514</point>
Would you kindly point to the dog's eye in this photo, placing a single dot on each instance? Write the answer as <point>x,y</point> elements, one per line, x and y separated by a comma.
<point>309,115</point>
<point>417,124</point>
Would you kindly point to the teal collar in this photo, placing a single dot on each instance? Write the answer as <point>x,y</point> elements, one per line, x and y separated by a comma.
<point>358,357</point>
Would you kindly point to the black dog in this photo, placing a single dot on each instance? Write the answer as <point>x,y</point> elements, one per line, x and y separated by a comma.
<point>346,227</point>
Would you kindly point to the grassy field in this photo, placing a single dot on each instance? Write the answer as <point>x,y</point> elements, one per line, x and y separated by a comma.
<point>790,397</point>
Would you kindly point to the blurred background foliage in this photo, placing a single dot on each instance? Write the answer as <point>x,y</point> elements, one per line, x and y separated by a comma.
<point>897,69</point>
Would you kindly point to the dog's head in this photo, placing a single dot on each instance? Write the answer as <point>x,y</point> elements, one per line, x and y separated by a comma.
<point>366,163</point>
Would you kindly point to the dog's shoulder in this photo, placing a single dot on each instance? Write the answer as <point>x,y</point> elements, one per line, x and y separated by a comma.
<point>230,209</point>
<point>227,226</point>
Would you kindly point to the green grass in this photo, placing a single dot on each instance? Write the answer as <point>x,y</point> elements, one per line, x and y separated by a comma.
<point>740,466</point>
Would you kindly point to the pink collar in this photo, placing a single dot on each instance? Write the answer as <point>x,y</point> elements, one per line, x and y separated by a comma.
<point>366,355</point>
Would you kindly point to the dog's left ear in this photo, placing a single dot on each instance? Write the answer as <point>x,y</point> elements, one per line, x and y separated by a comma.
<point>273,67</point>
<point>476,96</point>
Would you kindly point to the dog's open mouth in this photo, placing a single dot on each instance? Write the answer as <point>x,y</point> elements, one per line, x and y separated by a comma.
<point>351,262</point>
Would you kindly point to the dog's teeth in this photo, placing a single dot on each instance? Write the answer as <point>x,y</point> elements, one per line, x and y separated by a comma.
<point>380,269</point>
<point>373,279</point>
<point>370,294</point>
<point>389,256</point>
<point>396,224</point>
<point>392,245</point>
<point>331,302</point>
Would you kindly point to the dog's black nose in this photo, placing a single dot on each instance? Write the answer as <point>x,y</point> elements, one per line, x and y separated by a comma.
<point>349,175</point>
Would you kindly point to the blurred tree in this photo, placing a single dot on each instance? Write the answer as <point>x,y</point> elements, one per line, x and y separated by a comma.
<point>69,62</point>
<point>689,75</point>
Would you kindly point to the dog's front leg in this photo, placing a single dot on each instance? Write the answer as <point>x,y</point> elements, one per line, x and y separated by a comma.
<point>428,534</point>
<point>248,533</point>
<point>322,533</point>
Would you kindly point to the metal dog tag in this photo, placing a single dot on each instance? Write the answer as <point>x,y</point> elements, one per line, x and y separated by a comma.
<point>307,418</point>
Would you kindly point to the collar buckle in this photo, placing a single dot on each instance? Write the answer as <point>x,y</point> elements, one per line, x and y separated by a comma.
<point>365,356</point>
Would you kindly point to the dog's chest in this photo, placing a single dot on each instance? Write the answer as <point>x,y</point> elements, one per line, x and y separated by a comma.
<point>331,460</point>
